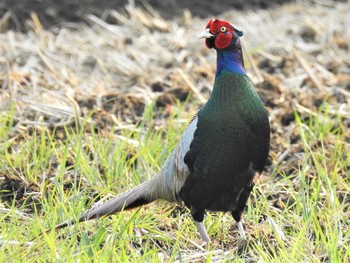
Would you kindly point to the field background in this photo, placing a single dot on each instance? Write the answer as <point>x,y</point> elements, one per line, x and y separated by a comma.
<point>94,96</point>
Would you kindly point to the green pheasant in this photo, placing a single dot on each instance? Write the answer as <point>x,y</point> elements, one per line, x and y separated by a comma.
<point>222,149</point>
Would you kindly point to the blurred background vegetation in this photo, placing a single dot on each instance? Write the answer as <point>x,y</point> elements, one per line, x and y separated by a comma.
<point>53,12</point>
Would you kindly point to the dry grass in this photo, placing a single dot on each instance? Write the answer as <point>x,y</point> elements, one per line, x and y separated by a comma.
<point>108,74</point>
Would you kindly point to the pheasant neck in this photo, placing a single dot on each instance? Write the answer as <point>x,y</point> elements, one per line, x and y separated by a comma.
<point>230,60</point>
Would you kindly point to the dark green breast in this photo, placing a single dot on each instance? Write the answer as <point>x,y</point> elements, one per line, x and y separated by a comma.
<point>232,137</point>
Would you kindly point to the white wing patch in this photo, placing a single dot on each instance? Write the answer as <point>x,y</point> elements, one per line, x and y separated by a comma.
<point>169,181</point>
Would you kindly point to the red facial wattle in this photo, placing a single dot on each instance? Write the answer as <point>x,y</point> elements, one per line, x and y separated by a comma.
<point>223,40</point>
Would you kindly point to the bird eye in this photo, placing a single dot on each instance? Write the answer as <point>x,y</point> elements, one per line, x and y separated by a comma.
<point>223,29</point>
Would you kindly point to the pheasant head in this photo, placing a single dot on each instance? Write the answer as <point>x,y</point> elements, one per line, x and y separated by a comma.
<point>220,34</point>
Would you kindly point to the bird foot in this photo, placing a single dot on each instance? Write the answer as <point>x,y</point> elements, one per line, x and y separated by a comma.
<point>242,245</point>
<point>202,231</point>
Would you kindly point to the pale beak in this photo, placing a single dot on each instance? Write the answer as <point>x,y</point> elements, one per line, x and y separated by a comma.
<point>205,34</point>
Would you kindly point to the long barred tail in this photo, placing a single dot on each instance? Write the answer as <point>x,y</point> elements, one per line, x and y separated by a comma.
<point>138,196</point>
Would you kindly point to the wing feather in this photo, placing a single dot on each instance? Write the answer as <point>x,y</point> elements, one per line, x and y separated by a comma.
<point>169,181</point>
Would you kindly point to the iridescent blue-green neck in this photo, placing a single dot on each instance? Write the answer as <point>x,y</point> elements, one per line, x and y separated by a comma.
<point>230,60</point>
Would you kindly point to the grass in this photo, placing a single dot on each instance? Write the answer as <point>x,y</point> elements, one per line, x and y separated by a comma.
<point>301,215</point>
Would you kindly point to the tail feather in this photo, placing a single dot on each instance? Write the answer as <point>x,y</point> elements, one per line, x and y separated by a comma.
<point>138,196</point>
